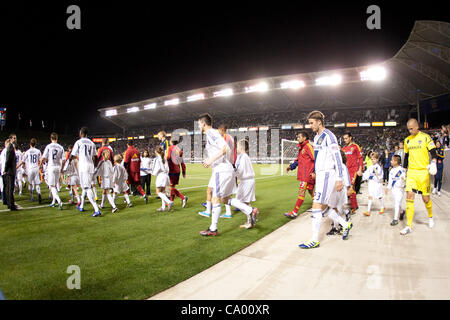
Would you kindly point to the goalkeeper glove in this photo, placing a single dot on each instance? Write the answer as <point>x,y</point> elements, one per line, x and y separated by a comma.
<point>432,168</point>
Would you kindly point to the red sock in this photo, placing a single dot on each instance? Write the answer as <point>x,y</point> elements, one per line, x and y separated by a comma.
<point>353,202</point>
<point>172,194</point>
<point>178,194</point>
<point>298,204</point>
<point>141,191</point>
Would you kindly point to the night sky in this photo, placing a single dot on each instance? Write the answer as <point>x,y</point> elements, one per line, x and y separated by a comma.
<point>130,51</point>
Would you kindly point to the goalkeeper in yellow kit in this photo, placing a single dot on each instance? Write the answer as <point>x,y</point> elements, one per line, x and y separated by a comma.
<point>418,147</point>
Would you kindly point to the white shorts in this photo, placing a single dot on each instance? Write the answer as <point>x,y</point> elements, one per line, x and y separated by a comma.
<point>33,176</point>
<point>222,184</point>
<point>106,183</point>
<point>246,190</point>
<point>338,199</point>
<point>375,189</point>
<point>397,194</point>
<point>162,180</point>
<point>121,187</point>
<point>85,180</point>
<point>19,173</point>
<point>53,175</point>
<point>73,180</point>
<point>325,184</point>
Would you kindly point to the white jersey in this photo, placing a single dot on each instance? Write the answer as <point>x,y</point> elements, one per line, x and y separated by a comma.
<point>120,174</point>
<point>3,160</point>
<point>104,169</point>
<point>397,178</point>
<point>31,158</point>
<point>85,149</point>
<point>346,181</point>
<point>146,166</point>
<point>54,154</point>
<point>19,156</point>
<point>244,168</point>
<point>214,144</point>
<point>327,155</point>
<point>374,173</point>
<point>159,167</point>
<point>71,168</point>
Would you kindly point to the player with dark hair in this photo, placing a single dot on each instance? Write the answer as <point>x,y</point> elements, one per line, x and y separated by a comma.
<point>132,162</point>
<point>175,160</point>
<point>355,165</point>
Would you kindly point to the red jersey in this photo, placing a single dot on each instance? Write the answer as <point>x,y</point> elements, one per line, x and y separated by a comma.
<point>100,151</point>
<point>305,163</point>
<point>133,160</point>
<point>175,159</point>
<point>354,157</point>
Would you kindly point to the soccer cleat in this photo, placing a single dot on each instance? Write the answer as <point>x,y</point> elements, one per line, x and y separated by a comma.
<point>161,209</point>
<point>309,245</point>
<point>430,223</point>
<point>80,209</point>
<point>145,199</point>
<point>347,231</point>
<point>439,193</point>
<point>184,201</point>
<point>381,211</point>
<point>434,191</point>
<point>333,231</point>
<point>247,225</point>
<point>367,213</point>
<point>97,214</point>
<point>60,206</point>
<point>402,215</point>
<point>129,205</point>
<point>170,205</point>
<point>205,214</point>
<point>208,233</point>
<point>114,209</point>
<point>254,217</point>
<point>394,222</point>
<point>32,199</point>
<point>52,205</point>
<point>405,231</point>
<point>226,216</point>
<point>204,204</point>
<point>291,215</point>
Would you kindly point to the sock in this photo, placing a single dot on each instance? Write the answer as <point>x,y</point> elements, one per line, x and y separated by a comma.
<point>316,223</point>
<point>369,205</point>
<point>38,189</point>
<point>298,204</point>
<point>102,204</point>
<point>111,200</point>
<point>164,198</point>
<point>127,198</point>
<point>178,193</point>
<point>83,196</point>
<point>228,210</point>
<point>208,206</point>
<point>90,195</point>
<point>55,195</point>
<point>172,194</point>
<point>163,204</point>
<point>20,186</point>
<point>353,202</point>
<point>94,191</point>
<point>337,218</point>
<point>382,203</point>
<point>429,207</point>
<point>141,191</point>
<point>246,209</point>
<point>409,212</point>
<point>78,199</point>
<point>215,214</point>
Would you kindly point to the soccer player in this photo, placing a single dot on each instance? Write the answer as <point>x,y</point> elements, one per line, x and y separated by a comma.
<point>174,160</point>
<point>31,159</point>
<point>132,162</point>
<point>329,176</point>
<point>440,153</point>
<point>105,146</point>
<point>19,172</point>
<point>354,165</point>
<point>374,174</point>
<point>164,142</point>
<point>418,147</point>
<point>85,149</point>
<point>222,179</point>
<point>161,171</point>
<point>105,170</point>
<point>120,178</point>
<point>396,184</point>
<point>305,171</point>
<point>53,155</point>
<point>146,172</point>
<point>73,180</point>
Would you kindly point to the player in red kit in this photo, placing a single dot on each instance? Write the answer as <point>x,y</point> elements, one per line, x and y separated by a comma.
<point>105,145</point>
<point>305,171</point>
<point>132,162</point>
<point>354,165</point>
<point>174,160</point>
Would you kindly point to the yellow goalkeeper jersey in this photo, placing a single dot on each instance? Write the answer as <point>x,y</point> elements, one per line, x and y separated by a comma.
<point>418,147</point>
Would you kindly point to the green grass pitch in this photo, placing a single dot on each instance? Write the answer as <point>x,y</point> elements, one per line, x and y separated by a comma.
<point>135,253</point>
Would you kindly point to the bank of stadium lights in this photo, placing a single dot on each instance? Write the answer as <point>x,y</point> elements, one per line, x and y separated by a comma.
<point>172,102</point>
<point>150,106</point>
<point>293,84</point>
<point>376,73</point>
<point>260,87</point>
<point>196,97</point>
<point>223,93</point>
<point>333,80</point>
<point>110,113</point>
<point>132,109</point>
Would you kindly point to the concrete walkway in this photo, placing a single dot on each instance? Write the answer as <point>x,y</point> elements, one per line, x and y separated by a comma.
<point>375,263</point>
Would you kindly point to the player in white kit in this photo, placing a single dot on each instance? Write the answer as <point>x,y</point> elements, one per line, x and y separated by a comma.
<point>105,171</point>
<point>19,172</point>
<point>374,174</point>
<point>222,179</point>
<point>70,168</point>
<point>120,177</point>
<point>53,156</point>
<point>397,181</point>
<point>160,169</point>
<point>31,159</point>
<point>86,151</point>
<point>329,175</point>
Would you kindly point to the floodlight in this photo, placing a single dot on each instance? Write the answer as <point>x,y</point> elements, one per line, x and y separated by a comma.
<point>329,80</point>
<point>150,106</point>
<point>293,84</point>
<point>172,102</point>
<point>223,93</point>
<point>196,97</point>
<point>110,113</point>
<point>132,109</point>
<point>376,73</point>
<point>261,87</point>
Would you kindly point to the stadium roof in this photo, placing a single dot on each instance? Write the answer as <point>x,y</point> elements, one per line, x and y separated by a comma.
<point>420,70</point>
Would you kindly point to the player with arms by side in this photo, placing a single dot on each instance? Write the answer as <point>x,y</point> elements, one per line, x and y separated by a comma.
<point>355,164</point>
<point>175,160</point>
<point>31,159</point>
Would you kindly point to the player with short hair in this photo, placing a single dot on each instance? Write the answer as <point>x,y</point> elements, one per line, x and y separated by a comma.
<point>164,142</point>
<point>19,171</point>
<point>73,179</point>
<point>161,171</point>
<point>105,170</point>
<point>305,171</point>
<point>374,174</point>
<point>86,151</point>
<point>222,179</point>
<point>132,162</point>
<point>355,165</point>
<point>329,176</point>
<point>53,156</point>
<point>31,159</point>
<point>397,177</point>
<point>174,160</point>
<point>120,178</point>
<point>418,147</point>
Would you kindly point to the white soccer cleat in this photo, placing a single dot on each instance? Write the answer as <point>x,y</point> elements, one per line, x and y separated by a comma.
<point>434,191</point>
<point>439,193</point>
<point>430,223</point>
<point>405,231</point>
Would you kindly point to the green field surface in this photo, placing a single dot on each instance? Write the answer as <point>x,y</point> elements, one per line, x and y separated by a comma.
<point>136,252</point>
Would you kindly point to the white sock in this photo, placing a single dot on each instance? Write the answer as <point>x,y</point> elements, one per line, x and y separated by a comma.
<point>164,198</point>
<point>111,200</point>
<point>55,195</point>
<point>382,203</point>
<point>83,197</point>
<point>369,205</point>
<point>316,223</point>
<point>241,206</point>
<point>91,198</point>
<point>78,198</point>
<point>228,209</point>
<point>103,200</point>
<point>337,218</point>
<point>38,189</point>
<point>94,191</point>
<point>127,198</point>
<point>215,214</point>
<point>208,206</point>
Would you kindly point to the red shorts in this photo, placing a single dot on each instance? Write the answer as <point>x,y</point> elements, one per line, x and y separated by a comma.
<point>174,178</point>
<point>306,186</point>
<point>352,172</point>
<point>134,178</point>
